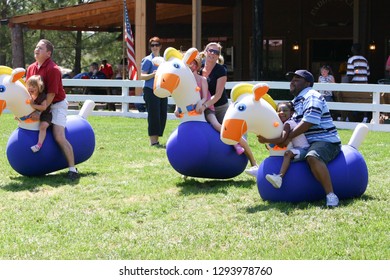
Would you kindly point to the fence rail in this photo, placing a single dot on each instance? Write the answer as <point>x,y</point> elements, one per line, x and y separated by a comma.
<point>375,107</point>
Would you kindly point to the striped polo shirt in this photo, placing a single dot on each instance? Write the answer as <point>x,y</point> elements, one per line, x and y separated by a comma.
<point>311,107</point>
<point>358,68</point>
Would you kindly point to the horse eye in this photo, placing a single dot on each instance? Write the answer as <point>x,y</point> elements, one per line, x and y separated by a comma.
<point>176,65</point>
<point>2,88</point>
<point>241,107</point>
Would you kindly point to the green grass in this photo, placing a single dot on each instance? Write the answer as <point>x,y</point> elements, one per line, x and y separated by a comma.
<point>131,204</point>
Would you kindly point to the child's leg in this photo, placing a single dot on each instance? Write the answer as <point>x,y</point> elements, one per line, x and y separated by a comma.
<point>288,156</point>
<point>41,137</point>
<point>42,132</point>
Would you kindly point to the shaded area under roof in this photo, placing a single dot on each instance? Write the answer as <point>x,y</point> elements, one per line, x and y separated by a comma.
<point>107,15</point>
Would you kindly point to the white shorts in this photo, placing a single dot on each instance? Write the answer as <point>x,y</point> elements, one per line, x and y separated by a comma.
<point>59,111</point>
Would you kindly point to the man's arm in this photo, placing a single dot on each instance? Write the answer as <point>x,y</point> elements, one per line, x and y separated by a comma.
<point>49,98</point>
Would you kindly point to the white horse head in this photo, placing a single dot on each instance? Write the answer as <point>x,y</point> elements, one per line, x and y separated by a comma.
<point>174,78</point>
<point>252,110</point>
<point>14,96</point>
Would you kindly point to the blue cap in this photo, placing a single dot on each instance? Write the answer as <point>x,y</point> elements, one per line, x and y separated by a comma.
<point>303,74</point>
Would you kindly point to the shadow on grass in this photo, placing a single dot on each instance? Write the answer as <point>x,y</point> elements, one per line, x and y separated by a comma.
<point>205,186</point>
<point>32,184</point>
<point>288,207</point>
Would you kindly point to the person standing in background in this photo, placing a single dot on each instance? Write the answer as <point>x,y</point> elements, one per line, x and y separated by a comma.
<point>326,76</point>
<point>156,107</point>
<point>358,69</point>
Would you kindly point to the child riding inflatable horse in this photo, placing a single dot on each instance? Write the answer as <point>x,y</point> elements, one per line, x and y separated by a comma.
<point>251,113</point>
<point>14,96</point>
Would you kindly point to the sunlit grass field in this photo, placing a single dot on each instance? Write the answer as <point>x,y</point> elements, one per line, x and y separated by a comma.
<point>131,204</point>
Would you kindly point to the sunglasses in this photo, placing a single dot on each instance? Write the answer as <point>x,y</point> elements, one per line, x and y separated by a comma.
<point>155,45</point>
<point>212,51</point>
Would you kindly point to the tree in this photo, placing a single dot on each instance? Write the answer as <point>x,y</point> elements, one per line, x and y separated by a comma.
<point>73,49</point>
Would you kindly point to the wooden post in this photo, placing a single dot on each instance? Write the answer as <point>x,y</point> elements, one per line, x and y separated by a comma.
<point>140,36</point>
<point>197,24</point>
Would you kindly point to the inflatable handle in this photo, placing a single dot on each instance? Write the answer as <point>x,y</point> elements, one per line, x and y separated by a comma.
<point>359,134</point>
<point>87,108</point>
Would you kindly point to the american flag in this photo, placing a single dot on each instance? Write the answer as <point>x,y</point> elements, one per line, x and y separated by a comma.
<point>129,40</point>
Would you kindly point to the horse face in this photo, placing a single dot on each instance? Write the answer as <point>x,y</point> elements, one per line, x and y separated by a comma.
<point>11,85</point>
<point>167,78</point>
<point>174,78</point>
<point>250,115</point>
<point>14,95</point>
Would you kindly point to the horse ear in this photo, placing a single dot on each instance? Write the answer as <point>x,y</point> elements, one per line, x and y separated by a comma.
<point>260,90</point>
<point>190,55</point>
<point>17,74</point>
<point>172,53</point>
<point>157,60</point>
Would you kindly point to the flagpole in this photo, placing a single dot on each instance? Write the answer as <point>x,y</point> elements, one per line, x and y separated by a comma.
<point>123,44</point>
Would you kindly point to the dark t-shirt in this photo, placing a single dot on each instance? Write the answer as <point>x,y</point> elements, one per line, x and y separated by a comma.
<point>46,115</point>
<point>217,72</point>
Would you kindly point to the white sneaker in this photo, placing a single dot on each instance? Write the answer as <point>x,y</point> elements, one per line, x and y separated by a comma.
<point>275,180</point>
<point>252,171</point>
<point>332,200</point>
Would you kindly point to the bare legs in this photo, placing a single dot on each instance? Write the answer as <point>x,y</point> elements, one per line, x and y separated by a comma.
<point>321,173</point>
<point>66,147</point>
<point>288,156</point>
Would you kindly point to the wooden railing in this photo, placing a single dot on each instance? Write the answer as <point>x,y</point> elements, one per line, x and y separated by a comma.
<point>380,92</point>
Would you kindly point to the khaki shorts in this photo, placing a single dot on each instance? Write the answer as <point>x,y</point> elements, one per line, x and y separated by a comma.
<point>59,111</point>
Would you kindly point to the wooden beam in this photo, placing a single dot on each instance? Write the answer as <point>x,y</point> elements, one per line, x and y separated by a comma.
<point>197,24</point>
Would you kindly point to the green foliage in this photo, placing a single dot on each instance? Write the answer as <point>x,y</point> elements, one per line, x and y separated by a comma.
<point>131,204</point>
<point>95,45</point>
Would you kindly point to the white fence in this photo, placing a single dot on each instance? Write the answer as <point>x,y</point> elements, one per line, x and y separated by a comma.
<point>375,107</point>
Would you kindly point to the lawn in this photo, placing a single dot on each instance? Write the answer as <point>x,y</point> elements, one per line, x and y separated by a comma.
<point>131,204</point>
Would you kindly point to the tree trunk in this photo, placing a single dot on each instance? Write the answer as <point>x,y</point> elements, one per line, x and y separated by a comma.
<point>77,59</point>
<point>17,46</point>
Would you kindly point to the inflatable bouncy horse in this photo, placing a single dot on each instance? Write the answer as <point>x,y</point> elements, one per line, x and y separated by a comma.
<point>78,131</point>
<point>194,148</point>
<point>251,113</point>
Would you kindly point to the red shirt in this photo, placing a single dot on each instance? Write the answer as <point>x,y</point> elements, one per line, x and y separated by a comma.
<point>51,76</point>
<point>107,70</point>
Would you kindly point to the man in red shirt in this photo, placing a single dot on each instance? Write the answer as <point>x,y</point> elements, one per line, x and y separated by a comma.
<point>52,78</point>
